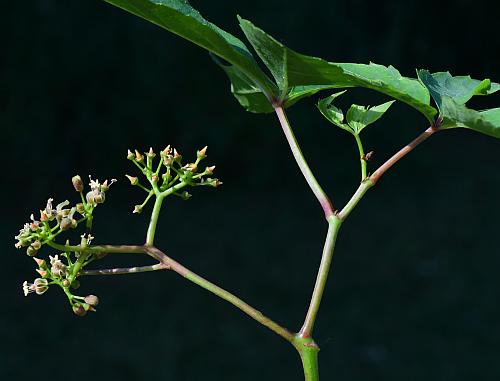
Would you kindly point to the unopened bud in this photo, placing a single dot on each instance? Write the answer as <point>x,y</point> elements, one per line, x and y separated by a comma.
<point>210,170</point>
<point>168,160</point>
<point>151,153</point>
<point>177,156</point>
<point>66,283</point>
<point>130,155</point>
<point>133,180</point>
<point>31,251</point>
<point>80,208</point>
<point>43,273</point>
<point>36,245</point>
<point>186,195</point>
<point>43,216</point>
<point>192,167</point>
<point>202,153</point>
<point>139,157</point>
<point>92,300</point>
<point>77,183</point>
<point>79,310</point>
<point>66,223</point>
<point>137,209</point>
<point>39,262</point>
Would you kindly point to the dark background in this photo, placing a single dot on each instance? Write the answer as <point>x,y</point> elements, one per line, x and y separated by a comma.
<point>414,291</point>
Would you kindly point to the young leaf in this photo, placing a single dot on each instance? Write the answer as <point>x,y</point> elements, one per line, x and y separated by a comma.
<point>178,17</point>
<point>332,113</point>
<point>290,69</point>
<point>451,93</point>
<point>358,117</point>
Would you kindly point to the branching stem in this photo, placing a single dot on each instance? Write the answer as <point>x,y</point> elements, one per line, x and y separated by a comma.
<point>302,163</point>
<point>171,264</point>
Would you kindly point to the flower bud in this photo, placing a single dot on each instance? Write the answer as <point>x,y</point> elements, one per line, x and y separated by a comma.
<point>191,167</point>
<point>66,283</point>
<point>151,153</point>
<point>43,273</point>
<point>154,178</point>
<point>39,262</point>
<point>210,170</point>
<point>130,155</point>
<point>133,180</point>
<point>92,300</point>
<point>79,310</point>
<point>186,195</point>
<point>43,216</point>
<point>66,223</point>
<point>202,153</point>
<point>36,245</point>
<point>75,284</point>
<point>139,157</point>
<point>77,183</point>
<point>80,208</point>
<point>177,156</point>
<point>137,209</point>
<point>31,251</point>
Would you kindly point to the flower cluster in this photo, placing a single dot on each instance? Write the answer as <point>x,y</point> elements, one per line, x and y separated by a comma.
<point>170,175</point>
<point>62,269</point>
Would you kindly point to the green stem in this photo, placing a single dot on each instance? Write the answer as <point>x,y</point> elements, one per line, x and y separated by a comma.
<point>125,270</point>
<point>308,352</point>
<point>361,156</point>
<point>155,214</point>
<point>302,163</point>
<point>356,197</point>
<point>334,224</point>
<point>171,264</point>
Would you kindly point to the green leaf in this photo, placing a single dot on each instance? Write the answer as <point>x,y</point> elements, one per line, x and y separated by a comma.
<point>332,113</point>
<point>291,69</point>
<point>244,89</point>
<point>451,93</point>
<point>358,117</point>
<point>460,88</point>
<point>178,17</point>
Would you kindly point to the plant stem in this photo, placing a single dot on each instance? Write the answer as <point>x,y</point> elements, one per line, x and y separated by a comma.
<point>356,197</point>
<point>308,352</point>
<point>361,156</point>
<point>220,292</point>
<point>334,224</point>
<point>171,264</point>
<point>402,152</point>
<point>150,236</point>
<point>301,161</point>
<point>125,270</point>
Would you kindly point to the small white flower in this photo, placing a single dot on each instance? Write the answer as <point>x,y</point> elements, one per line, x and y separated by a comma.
<point>39,286</point>
<point>58,268</point>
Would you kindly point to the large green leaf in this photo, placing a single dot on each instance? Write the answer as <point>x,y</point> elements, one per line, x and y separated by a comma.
<point>290,69</point>
<point>178,17</point>
<point>451,93</point>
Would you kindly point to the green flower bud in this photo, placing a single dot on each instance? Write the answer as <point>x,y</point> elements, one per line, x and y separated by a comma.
<point>130,155</point>
<point>80,208</point>
<point>137,209</point>
<point>31,251</point>
<point>66,283</point>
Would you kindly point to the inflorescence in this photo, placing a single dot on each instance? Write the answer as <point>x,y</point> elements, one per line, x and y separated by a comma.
<point>167,177</point>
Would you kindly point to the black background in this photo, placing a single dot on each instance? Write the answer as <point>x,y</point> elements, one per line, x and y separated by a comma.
<point>414,291</point>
